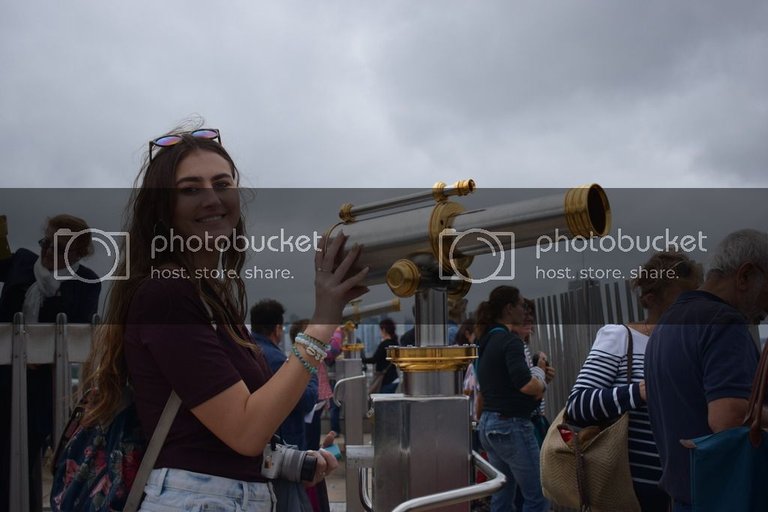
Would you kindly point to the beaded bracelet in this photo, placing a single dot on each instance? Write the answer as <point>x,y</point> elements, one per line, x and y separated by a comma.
<point>311,339</point>
<point>311,369</point>
<point>312,349</point>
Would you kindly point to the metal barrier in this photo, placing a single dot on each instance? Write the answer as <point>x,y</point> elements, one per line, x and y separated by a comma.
<point>59,344</point>
<point>495,482</point>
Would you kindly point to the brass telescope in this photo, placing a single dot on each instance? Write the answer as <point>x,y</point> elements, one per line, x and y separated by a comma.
<point>427,251</point>
<point>406,249</point>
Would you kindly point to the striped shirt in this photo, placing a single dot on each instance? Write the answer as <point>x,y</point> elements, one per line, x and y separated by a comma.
<point>602,393</point>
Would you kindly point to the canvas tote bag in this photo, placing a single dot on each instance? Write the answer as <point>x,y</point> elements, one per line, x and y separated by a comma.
<point>591,470</point>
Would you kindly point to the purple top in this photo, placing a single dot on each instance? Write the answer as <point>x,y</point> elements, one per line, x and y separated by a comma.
<point>170,343</point>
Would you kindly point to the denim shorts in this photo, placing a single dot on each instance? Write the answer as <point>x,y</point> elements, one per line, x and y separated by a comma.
<point>177,489</point>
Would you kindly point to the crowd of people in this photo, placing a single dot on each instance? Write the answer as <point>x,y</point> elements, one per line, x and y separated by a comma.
<point>692,358</point>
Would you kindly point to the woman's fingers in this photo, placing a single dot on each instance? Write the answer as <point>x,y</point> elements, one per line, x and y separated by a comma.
<point>325,259</point>
<point>333,287</point>
<point>355,282</point>
<point>339,272</point>
<point>320,467</point>
<point>330,460</point>
<point>348,261</point>
<point>326,463</point>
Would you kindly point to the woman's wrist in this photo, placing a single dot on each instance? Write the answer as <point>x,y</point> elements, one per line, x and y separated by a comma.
<point>309,340</point>
<point>325,315</point>
<point>309,363</point>
<point>313,350</point>
<point>320,331</point>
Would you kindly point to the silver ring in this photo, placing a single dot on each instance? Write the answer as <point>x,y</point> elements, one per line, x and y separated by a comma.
<point>320,269</point>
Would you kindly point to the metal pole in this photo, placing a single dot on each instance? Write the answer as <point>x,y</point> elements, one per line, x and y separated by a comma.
<point>62,385</point>
<point>19,478</point>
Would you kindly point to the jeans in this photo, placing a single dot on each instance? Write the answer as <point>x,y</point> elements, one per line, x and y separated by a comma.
<point>170,490</point>
<point>512,449</point>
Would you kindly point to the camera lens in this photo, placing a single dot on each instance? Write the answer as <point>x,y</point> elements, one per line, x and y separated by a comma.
<point>308,467</point>
<point>293,461</point>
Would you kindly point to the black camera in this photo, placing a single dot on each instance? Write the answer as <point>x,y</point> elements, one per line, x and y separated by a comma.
<point>280,461</point>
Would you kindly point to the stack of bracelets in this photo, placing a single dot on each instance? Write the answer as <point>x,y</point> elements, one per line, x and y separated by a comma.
<point>314,348</point>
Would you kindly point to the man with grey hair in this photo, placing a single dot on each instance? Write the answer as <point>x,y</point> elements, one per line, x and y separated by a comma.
<point>701,358</point>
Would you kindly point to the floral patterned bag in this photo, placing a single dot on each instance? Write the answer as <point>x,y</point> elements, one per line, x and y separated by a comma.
<point>95,466</point>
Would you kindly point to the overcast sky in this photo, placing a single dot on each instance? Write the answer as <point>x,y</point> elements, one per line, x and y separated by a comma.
<point>396,93</point>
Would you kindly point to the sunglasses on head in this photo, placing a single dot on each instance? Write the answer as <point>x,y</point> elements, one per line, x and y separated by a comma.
<point>167,141</point>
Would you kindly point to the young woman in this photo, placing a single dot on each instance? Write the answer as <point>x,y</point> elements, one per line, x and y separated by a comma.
<point>602,392</point>
<point>173,327</point>
<point>510,391</point>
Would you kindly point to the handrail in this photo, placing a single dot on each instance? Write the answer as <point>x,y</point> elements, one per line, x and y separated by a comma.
<point>496,482</point>
<point>365,500</point>
<point>340,382</point>
<point>461,495</point>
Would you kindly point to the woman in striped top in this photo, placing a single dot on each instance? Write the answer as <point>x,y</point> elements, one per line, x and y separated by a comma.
<point>602,392</point>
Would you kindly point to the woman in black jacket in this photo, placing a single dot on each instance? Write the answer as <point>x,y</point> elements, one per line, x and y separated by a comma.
<point>388,338</point>
<point>511,391</point>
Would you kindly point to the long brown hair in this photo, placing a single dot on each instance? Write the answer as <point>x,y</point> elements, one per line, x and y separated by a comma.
<point>149,214</point>
<point>489,311</point>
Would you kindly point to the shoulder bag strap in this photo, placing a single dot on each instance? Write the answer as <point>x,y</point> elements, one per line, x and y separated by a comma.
<point>581,475</point>
<point>630,354</point>
<point>153,450</point>
<point>757,399</point>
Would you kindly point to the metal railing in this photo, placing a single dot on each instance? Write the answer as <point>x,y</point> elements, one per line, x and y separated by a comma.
<point>495,482</point>
<point>59,344</point>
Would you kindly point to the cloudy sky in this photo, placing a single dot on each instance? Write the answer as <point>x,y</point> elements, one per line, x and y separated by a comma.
<point>389,94</point>
<point>396,93</point>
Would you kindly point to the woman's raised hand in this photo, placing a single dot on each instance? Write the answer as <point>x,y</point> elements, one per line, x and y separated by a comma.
<point>333,289</point>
